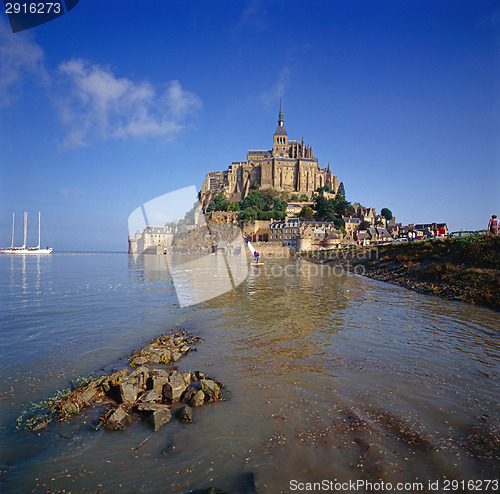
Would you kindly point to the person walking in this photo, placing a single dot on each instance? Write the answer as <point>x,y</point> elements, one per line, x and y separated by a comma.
<point>493,225</point>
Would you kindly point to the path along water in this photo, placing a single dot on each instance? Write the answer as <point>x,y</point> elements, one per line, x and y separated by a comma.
<point>329,376</point>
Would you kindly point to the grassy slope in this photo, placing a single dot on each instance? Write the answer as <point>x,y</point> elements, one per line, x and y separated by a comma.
<point>466,269</point>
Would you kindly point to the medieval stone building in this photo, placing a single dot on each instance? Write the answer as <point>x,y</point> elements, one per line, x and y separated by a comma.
<point>289,166</point>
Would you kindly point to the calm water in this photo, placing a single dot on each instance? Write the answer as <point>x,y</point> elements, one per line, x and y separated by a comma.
<point>329,377</point>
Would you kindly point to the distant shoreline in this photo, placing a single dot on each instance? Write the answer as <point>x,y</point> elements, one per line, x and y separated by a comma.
<point>466,269</point>
<point>90,252</point>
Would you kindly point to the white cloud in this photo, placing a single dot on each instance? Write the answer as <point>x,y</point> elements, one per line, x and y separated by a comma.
<point>292,64</point>
<point>271,95</point>
<point>96,103</point>
<point>93,102</point>
<point>19,55</point>
<point>179,101</point>
<point>71,193</point>
<point>253,16</point>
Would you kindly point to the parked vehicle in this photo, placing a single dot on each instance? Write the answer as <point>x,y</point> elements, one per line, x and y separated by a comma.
<point>462,233</point>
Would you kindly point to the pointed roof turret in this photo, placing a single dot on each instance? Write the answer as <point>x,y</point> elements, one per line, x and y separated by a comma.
<point>280,116</point>
<point>280,130</point>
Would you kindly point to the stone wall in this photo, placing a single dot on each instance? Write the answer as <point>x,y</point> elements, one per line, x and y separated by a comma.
<point>266,249</point>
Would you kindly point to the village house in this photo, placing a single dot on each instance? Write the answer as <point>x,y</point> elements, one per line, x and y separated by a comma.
<point>151,239</point>
<point>351,225</point>
<point>372,235</point>
<point>379,234</point>
<point>294,208</point>
<point>394,228</point>
<point>285,232</point>
<point>303,235</point>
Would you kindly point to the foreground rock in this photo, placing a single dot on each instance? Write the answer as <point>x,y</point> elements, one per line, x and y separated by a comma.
<point>116,418</point>
<point>165,349</point>
<point>152,394</point>
<point>185,414</point>
<point>158,414</point>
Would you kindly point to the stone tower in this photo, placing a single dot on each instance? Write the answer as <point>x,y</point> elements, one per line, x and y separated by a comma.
<point>280,144</point>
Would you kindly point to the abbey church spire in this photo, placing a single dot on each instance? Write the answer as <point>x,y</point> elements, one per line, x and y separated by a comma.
<point>280,145</point>
<point>280,129</point>
<point>280,116</point>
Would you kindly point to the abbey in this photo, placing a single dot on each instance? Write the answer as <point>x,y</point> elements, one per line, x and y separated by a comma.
<point>289,166</point>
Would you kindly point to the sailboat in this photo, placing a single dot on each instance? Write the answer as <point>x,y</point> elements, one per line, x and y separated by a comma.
<point>253,251</point>
<point>23,249</point>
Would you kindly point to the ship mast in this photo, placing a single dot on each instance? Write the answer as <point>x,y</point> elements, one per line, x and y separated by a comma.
<point>25,229</point>
<point>12,243</point>
<point>38,246</point>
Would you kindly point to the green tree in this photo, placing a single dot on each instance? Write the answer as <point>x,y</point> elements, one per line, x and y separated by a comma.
<point>343,207</point>
<point>304,198</point>
<point>325,208</point>
<point>386,213</point>
<point>254,199</point>
<point>339,224</point>
<point>248,215</point>
<point>269,194</point>
<point>219,203</point>
<point>340,191</point>
<point>279,204</point>
<point>262,205</point>
<point>332,209</point>
<point>306,213</point>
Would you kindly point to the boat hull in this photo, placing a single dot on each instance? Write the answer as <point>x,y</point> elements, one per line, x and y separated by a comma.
<point>26,251</point>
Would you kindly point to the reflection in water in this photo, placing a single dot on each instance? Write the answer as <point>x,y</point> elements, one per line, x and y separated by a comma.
<point>328,376</point>
<point>204,262</point>
<point>25,272</point>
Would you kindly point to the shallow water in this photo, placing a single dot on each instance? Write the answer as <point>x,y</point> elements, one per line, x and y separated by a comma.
<point>328,377</point>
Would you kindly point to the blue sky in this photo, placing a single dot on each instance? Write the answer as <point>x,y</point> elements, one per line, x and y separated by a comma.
<point>118,102</point>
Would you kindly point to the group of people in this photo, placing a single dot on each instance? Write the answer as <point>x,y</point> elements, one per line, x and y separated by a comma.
<point>436,232</point>
<point>432,232</point>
